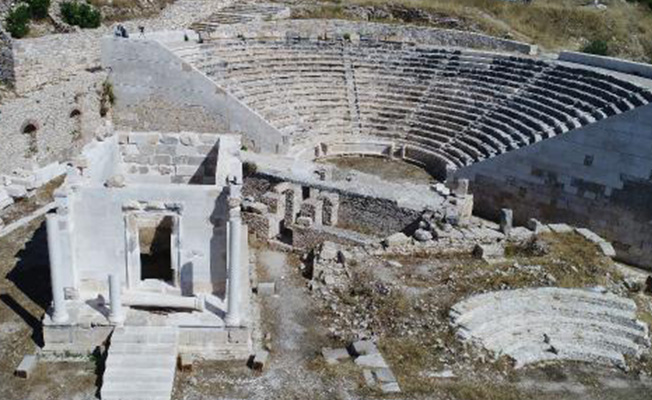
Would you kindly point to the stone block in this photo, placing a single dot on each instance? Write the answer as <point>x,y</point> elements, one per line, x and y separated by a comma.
<point>364,347</point>
<point>607,249</point>
<point>391,387</point>
<point>26,366</point>
<point>384,375</point>
<point>560,228</point>
<point>397,239</point>
<point>168,138</point>
<point>189,170</point>
<point>5,199</point>
<point>49,172</point>
<point>334,356</point>
<point>16,191</point>
<point>506,220</point>
<point>129,150</point>
<point>267,288</point>
<point>143,138</point>
<point>162,159</point>
<point>489,252</point>
<point>371,361</point>
<point>369,379</point>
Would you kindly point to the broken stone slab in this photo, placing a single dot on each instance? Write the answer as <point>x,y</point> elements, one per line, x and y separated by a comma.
<point>259,361</point>
<point>371,361</point>
<point>422,235</point>
<point>536,226</point>
<point>26,366</point>
<point>520,234</point>
<point>506,220</point>
<point>397,239</point>
<point>267,288</point>
<point>607,249</point>
<point>116,181</point>
<point>334,356</point>
<point>16,191</point>
<point>384,375</point>
<point>589,235</point>
<point>444,374</point>
<point>328,251</point>
<point>5,199</point>
<point>560,228</point>
<point>364,347</point>
<point>391,387</point>
<point>489,252</point>
<point>369,379</point>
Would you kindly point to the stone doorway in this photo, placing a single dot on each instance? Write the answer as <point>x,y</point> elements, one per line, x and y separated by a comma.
<point>152,250</point>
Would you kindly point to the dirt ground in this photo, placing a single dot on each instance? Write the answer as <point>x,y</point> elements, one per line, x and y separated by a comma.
<point>300,322</point>
<point>390,170</point>
<point>24,297</point>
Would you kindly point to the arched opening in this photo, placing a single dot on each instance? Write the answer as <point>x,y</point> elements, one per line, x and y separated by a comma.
<point>29,128</point>
<point>76,113</point>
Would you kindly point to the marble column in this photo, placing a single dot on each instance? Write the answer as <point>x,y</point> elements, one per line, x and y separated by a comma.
<point>59,312</point>
<point>233,315</point>
<point>116,315</point>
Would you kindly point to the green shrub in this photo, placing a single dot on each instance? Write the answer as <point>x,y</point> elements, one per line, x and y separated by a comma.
<point>597,47</point>
<point>81,14</point>
<point>17,21</point>
<point>38,8</point>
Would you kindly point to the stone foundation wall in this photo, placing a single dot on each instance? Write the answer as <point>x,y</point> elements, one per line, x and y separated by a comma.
<point>51,124</point>
<point>374,216</point>
<point>598,177</point>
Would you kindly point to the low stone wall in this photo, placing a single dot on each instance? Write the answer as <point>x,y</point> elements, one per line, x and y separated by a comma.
<point>316,28</point>
<point>615,64</point>
<point>51,124</point>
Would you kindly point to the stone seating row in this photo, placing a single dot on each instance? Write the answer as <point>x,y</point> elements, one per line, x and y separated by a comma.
<point>539,324</point>
<point>464,105</point>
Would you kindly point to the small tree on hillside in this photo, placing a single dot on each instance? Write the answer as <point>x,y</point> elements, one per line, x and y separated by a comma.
<point>17,21</point>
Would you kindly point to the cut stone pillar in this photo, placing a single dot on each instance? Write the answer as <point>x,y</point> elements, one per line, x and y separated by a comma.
<point>506,218</point>
<point>59,312</point>
<point>233,315</point>
<point>116,316</point>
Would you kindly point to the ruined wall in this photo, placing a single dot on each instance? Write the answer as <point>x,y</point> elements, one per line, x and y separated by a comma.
<point>390,32</point>
<point>599,176</point>
<point>365,214</point>
<point>156,90</point>
<point>374,216</point>
<point>63,117</point>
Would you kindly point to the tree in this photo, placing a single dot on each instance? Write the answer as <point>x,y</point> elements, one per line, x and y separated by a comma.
<point>17,21</point>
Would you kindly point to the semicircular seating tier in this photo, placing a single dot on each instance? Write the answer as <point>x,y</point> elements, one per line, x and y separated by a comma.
<point>542,324</point>
<point>454,106</point>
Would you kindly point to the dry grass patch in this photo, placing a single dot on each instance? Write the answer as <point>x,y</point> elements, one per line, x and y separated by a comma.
<point>552,24</point>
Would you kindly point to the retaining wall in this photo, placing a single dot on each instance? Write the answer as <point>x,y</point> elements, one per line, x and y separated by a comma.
<point>156,90</point>
<point>599,176</point>
<point>615,64</point>
<point>315,28</point>
<point>66,116</point>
